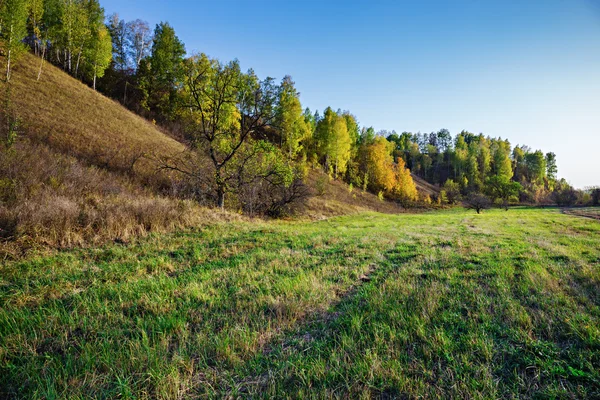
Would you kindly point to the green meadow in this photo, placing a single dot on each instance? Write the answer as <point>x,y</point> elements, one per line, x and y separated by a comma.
<point>446,304</point>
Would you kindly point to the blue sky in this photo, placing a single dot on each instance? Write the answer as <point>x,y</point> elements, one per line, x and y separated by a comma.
<point>525,70</point>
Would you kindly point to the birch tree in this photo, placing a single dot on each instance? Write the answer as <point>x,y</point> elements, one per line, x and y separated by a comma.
<point>13,14</point>
<point>291,122</point>
<point>140,41</point>
<point>99,54</point>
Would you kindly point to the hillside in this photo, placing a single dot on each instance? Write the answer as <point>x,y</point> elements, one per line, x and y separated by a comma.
<point>332,197</point>
<point>84,170</point>
<point>425,187</point>
<point>68,116</point>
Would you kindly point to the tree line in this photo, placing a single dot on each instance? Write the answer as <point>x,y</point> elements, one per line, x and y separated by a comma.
<point>250,140</point>
<point>69,33</point>
<point>470,163</point>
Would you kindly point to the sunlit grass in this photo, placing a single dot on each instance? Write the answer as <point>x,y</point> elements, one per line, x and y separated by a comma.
<point>447,304</point>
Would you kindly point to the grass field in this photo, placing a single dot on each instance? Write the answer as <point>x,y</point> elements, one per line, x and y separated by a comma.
<point>445,304</point>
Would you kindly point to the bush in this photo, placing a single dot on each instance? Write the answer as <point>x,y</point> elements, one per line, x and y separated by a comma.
<point>478,202</point>
<point>273,199</point>
<point>321,185</point>
<point>565,195</point>
<point>443,198</point>
<point>595,196</point>
<point>8,224</point>
<point>452,191</point>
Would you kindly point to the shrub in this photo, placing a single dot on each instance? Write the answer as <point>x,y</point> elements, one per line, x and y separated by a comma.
<point>564,195</point>
<point>478,202</point>
<point>595,196</point>
<point>585,198</point>
<point>452,191</point>
<point>51,199</point>
<point>321,185</point>
<point>443,198</point>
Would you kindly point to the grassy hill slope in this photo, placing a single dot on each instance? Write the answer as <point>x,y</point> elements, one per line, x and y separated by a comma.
<point>71,118</point>
<point>83,169</point>
<point>425,187</point>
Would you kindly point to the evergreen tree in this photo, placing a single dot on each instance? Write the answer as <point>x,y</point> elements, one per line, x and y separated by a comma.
<point>164,73</point>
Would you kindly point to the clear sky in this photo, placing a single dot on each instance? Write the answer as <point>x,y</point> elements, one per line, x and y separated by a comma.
<point>526,70</point>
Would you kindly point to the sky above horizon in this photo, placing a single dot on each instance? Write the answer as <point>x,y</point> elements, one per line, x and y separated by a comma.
<point>528,71</point>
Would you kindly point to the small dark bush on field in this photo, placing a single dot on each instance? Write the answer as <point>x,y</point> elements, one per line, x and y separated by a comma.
<point>565,196</point>
<point>596,196</point>
<point>477,202</point>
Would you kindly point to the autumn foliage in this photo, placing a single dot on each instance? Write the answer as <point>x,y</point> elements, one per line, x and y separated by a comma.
<point>404,189</point>
<point>385,175</point>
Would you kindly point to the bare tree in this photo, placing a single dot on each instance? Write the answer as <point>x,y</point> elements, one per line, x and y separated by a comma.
<point>140,40</point>
<point>477,202</point>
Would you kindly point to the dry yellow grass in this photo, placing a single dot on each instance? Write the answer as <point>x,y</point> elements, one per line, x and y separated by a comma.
<point>70,117</point>
<point>335,198</point>
<point>49,199</point>
<point>426,188</point>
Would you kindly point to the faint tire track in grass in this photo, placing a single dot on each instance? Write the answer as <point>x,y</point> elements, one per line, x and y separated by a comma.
<point>306,330</point>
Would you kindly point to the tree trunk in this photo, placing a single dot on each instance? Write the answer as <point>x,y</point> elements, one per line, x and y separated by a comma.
<point>41,63</point>
<point>8,55</point>
<point>77,67</point>
<point>220,188</point>
<point>36,45</point>
<point>8,67</point>
<point>221,198</point>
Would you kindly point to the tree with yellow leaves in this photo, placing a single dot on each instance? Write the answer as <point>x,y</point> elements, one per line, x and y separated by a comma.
<point>98,54</point>
<point>333,142</point>
<point>405,189</point>
<point>380,165</point>
<point>293,127</point>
